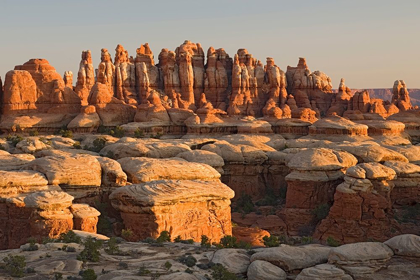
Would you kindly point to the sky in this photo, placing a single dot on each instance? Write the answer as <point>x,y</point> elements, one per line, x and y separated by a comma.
<point>370,43</point>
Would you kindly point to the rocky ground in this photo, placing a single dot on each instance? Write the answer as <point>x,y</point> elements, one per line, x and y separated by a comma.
<point>398,257</point>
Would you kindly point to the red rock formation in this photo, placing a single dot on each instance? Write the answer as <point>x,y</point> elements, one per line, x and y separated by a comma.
<point>341,100</point>
<point>217,80</point>
<point>362,206</point>
<point>400,96</point>
<point>152,110</point>
<point>85,217</point>
<point>182,207</point>
<point>310,90</point>
<point>190,60</point>
<point>111,110</point>
<point>147,73</point>
<point>68,79</point>
<point>106,71</point>
<point>85,77</point>
<point>253,236</point>
<point>311,184</point>
<point>125,76</point>
<point>247,80</point>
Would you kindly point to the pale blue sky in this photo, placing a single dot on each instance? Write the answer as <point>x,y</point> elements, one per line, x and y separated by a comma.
<point>371,43</point>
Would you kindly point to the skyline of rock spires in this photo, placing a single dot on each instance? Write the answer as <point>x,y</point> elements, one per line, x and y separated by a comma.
<point>184,87</point>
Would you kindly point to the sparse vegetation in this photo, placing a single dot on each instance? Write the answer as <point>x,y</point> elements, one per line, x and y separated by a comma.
<point>33,132</point>
<point>205,242</point>
<point>118,132</point>
<point>244,204</point>
<point>219,272</point>
<point>143,271</point>
<point>127,234</point>
<point>69,237</point>
<point>77,145</point>
<point>32,245</point>
<point>271,241</point>
<point>66,133</point>
<point>168,265</point>
<point>89,274</point>
<point>138,133</point>
<point>321,212</point>
<point>91,250</point>
<point>98,145</point>
<point>409,214</point>
<point>332,242</point>
<point>164,236</point>
<point>15,139</point>
<point>15,265</point>
<point>188,260</point>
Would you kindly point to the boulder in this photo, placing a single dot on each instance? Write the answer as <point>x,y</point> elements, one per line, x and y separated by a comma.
<point>262,270</point>
<point>290,258</point>
<point>323,272</point>
<point>360,258</point>
<point>234,260</point>
<point>405,245</point>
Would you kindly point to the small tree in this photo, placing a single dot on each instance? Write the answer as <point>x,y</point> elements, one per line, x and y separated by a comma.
<point>91,250</point>
<point>15,265</point>
<point>164,236</point>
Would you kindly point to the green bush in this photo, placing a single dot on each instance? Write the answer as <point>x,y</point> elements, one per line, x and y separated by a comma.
<point>138,133</point>
<point>66,133</point>
<point>219,272</point>
<point>70,249</point>
<point>118,132</point>
<point>228,241</point>
<point>89,274</point>
<point>306,240</point>
<point>205,242</point>
<point>123,265</point>
<point>164,236</point>
<point>127,234</point>
<point>271,241</point>
<point>244,204</point>
<point>77,145</point>
<point>168,265</point>
<point>332,242</point>
<point>143,271</point>
<point>33,132</point>
<point>112,248</point>
<point>58,276</point>
<point>98,144</point>
<point>69,237</point>
<point>189,261</point>
<point>14,139</point>
<point>178,239</point>
<point>15,265</point>
<point>32,245</point>
<point>91,250</point>
<point>321,212</point>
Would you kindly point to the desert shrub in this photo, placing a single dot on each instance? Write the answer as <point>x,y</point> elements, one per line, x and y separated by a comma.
<point>15,265</point>
<point>219,272</point>
<point>189,261</point>
<point>164,236</point>
<point>321,211</point>
<point>112,247</point>
<point>157,135</point>
<point>32,245</point>
<point>187,241</point>
<point>244,204</point>
<point>332,242</point>
<point>127,234</point>
<point>69,237</point>
<point>205,242</point>
<point>143,271</point>
<point>118,132</point>
<point>138,133</point>
<point>228,241</point>
<point>2,147</point>
<point>189,271</point>
<point>270,199</point>
<point>77,145</point>
<point>306,240</point>
<point>58,276</point>
<point>91,250</point>
<point>66,133</point>
<point>178,239</point>
<point>14,139</point>
<point>168,265</point>
<point>33,132</point>
<point>271,241</point>
<point>103,129</point>
<point>98,144</point>
<point>89,274</point>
